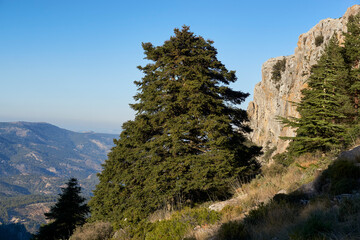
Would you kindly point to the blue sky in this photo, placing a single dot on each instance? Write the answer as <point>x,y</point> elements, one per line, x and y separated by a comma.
<point>72,63</point>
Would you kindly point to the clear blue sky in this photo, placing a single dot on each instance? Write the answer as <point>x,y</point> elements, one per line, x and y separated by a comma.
<point>72,63</point>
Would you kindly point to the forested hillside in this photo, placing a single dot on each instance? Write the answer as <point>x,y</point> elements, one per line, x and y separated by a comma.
<point>36,159</point>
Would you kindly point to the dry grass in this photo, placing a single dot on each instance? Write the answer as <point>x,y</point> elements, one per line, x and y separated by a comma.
<point>230,213</point>
<point>205,233</point>
<point>93,231</point>
<point>264,187</point>
<point>248,195</point>
<point>161,214</point>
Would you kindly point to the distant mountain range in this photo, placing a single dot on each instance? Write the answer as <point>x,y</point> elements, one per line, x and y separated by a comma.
<point>36,159</point>
<point>35,156</point>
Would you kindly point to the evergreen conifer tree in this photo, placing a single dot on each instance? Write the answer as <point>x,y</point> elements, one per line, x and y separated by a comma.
<point>69,212</point>
<point>352,56</point>
<point>186,144</point>
<point>325,105</point>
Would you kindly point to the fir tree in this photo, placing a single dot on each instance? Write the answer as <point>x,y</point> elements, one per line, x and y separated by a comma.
<point>69,212</point>
<point>352,56</point>
<point>186,144</point>
<point>325,105</point>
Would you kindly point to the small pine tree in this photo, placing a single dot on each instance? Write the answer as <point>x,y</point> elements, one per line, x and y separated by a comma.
<point>324,106</point>
<point>69,212</point>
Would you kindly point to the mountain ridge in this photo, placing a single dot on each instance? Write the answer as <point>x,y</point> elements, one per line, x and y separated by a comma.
<point>48,152</point>
<point>36,159</point>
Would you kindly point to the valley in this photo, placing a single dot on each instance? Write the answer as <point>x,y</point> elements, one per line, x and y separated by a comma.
<point>36,159</point>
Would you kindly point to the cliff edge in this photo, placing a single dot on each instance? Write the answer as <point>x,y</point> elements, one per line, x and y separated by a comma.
<point>275,95</point>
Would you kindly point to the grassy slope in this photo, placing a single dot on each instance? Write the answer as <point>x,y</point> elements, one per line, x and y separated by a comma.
<point>254,213</point>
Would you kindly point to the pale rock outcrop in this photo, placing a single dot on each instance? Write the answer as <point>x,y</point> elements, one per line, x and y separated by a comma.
<point>275,98</point>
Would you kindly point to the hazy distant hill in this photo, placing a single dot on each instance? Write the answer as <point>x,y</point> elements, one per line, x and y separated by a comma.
<point>36,159</point>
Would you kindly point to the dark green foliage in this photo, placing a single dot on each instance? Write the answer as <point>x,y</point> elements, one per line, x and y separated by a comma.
<point>314,227</point>
<point>278,68</point>
<point>292,198</point>
<point>352,56</point>
<point>352,40</point>
<point>69,212</point>
<point>284,159</point>
<point>345,185</point>
<point>233,230</point>
<point>258,214</point>
<point>325,106</point>
<point>352,134</point>
<point>343,177</point>
<point>187,141</point>
<point>343,169</point>
<point>282,205</point>
<point>319,40</point>
<point>349,208</point>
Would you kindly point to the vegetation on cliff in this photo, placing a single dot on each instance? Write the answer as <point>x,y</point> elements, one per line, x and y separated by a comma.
<point>324,107</point>
<point>329,106</point>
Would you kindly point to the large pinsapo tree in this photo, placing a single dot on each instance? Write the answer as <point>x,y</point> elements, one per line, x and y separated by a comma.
<point>186,144</point>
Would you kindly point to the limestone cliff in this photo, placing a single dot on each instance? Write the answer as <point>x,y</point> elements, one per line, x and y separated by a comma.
<point>274,96</point>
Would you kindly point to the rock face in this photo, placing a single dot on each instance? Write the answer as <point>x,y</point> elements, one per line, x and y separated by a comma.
<point>275,97</point>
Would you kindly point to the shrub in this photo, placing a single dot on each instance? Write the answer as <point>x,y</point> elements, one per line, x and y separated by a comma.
<point>283,159</point>
<point>181,223</point>
<point>170,229</point>
<point>352,136</point>
<point>268,153</point>
<point>292,198</point>
<point>273,170</point>
<point>345,185</point>
<point>277,69</point>
<point>349,207</point>
<point>257,215</point>
<point>319,40</point>
<point>93,231</point>
<point>316,226</point>
<point>233,230</point>
<point>343,177</point>
<point>230,212</point>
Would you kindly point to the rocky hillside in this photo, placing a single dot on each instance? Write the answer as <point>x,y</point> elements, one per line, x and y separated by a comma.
<point>282,80</point>
<point>35,158</point>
